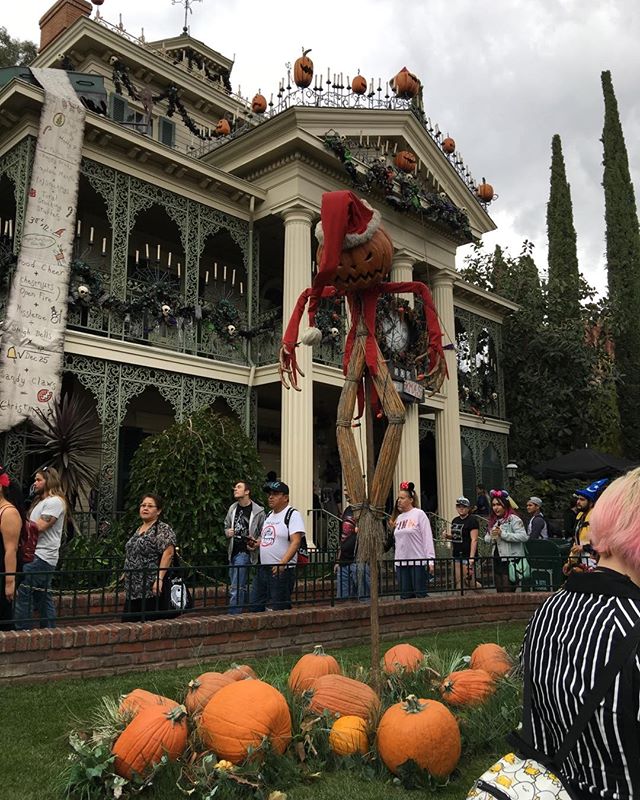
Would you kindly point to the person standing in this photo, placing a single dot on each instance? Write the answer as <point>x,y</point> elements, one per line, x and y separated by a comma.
<point>464,534</point>
<point>48,513</point>
<point>483,504</point>
<point>282,533</point>
<point>10,528</point>
<point>244,521</point>
<point>537,526</point>
<point>413,544</point>
<point>582,531</point>
<point>507,536</point>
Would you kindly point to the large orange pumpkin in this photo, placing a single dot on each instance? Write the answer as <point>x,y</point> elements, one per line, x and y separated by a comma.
<point>424,731</point>
<point>303,70</point>
<point>449,145</point>
<point>364,265</point>
<point>223,128</point>
<point>154,732</point>
<point>344,696</point>
<point>259,104</point>
<point>405,160</point>
<point>405,84</point>
<point>310,667</point>
<point>484,192</point>
<point>402,658</point>
<point>348,736</point>
<point>359,84</point>
<point>467,687</point>
<point>492,658</point>
<point>138,699</point>
<point>202,689</point>
<point>240,672</point>
<point>241,715</point>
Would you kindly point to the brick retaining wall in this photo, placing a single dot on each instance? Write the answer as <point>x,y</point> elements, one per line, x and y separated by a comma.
<point>109,649</point>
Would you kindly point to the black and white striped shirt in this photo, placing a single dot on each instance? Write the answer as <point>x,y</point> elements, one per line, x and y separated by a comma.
<point>572,637</point>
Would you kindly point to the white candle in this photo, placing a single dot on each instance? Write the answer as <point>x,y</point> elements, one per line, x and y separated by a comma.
<point>90,235</point>
<point>146,249</point>
<point>6,227</point>
<point>137,256</point>
<point>215,270</point>
<point>78,228</point>
<point>178,269</point>
<point>11,229</point>
<point>240,288</point>
<point>158,256</point>
<point>104,245</point>
<point>233,278</point>
<point>328,75</point>
<point>206,277</point>
<point>169,259</point>
<point>224,274</point>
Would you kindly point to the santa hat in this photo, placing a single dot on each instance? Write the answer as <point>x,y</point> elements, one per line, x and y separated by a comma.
<point>345,222</point>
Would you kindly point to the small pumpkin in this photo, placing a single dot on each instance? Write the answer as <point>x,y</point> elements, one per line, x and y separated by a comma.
<point>492,658</point>
<point>405,161</point>
<point>344,696</point>
<point>405,84</point>
<point>155,732</point>
<point>312,666</point>
<point>449,145</point>
<point>223,128</point>
<point>303,70</point>
<point>402,658</point>
<point>138,699</point>
<point>348,736</point>
<point>424,731</point>
<point>241,715</point>
<point>359,84</point>
<point>259,104</point>
<point>201,689</point>
<point>467,687</point>
<point>364,265</point>
<point>484,192</point>
<point>240,672</point>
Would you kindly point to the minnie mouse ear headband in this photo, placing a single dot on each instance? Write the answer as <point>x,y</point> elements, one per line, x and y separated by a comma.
<point>5,480</point>
<point>505,497</point>
<point>407,486</point>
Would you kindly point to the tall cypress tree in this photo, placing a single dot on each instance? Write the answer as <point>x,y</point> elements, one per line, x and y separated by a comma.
<point>564,276</point>
<point>623,267</point>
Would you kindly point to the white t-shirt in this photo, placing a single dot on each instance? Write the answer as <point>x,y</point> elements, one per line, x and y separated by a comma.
<point>49,540</point>
<point>274,539</point>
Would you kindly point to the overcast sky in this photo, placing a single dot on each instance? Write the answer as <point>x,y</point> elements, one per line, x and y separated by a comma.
<point>500,76</point>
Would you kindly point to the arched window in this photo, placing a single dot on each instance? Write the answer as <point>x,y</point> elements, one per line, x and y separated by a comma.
<point>492,470</point>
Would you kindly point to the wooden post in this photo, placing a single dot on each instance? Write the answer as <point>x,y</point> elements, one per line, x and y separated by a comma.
<point>374,572</point>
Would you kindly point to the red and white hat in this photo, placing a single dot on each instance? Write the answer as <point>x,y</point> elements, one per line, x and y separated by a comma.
<point>345,222</point>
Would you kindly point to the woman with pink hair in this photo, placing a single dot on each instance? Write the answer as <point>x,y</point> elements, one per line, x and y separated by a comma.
<point>507,535</point>
<point>569,643</point>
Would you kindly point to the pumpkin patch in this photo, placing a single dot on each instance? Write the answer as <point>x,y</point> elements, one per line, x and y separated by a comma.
<point>311,666</point>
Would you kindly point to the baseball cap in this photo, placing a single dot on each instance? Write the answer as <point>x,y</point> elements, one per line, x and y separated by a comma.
<point>276,487</point>
<point>463,501</point>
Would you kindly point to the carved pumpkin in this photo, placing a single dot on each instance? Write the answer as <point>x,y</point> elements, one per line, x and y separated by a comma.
<point>154,732</point>
<point>312,666</point>
<point>449,145</point>
<point>364,265</point>
<point>344,696</point>
<point>259,104</point>
<point>138,699</point>
<point>424,731</point>
<point>405,161</point>
<point>240,672</point>
<point>202,689</point>
<point>485,192</point>
<point>468,687</point>
<point>223,128</point>
<point>359,85</point>
<point>405,84</point>
<point>240,715</point>
<point>303,70</point>
<point>348,736</point>
<point>492,658</point>
<point>402,658</point>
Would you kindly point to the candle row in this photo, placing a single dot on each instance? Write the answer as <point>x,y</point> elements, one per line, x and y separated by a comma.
<point>8,228</point>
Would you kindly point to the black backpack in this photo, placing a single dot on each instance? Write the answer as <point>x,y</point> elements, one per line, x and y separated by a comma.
<point>303,550</point>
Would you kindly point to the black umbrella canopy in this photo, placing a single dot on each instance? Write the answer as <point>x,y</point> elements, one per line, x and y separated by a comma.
<point>586,464</point>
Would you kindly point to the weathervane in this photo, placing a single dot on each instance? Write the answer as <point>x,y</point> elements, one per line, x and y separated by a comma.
<point>187,10</point>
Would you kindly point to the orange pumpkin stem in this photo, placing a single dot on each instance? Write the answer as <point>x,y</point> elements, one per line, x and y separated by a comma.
<point>412,705</point>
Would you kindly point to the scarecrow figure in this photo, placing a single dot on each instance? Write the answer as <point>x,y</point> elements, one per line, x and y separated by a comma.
<point>354,257</point>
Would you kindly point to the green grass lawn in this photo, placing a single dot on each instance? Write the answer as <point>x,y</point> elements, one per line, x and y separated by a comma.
<point>36,720</point>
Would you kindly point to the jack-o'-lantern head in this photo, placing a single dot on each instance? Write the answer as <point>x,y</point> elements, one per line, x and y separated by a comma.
<point>354,251</point>
<point>223,128</point>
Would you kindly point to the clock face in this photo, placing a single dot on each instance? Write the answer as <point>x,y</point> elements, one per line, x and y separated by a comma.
<point>395,332</point>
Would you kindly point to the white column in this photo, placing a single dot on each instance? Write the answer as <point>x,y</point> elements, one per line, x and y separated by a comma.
<point>448,453</point>
<point>297,407</point>
<point>408,464</point>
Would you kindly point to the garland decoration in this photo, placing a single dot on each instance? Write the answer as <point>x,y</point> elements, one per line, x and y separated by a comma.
<point>193,57</point>
<point>401,191</point>
<point>392,311</point>
<point>161,303</point>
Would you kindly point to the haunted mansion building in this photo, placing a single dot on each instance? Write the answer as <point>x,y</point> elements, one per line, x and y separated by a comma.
<point>194,237</point>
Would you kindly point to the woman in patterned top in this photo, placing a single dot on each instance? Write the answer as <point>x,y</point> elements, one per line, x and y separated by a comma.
<point>148,556</point>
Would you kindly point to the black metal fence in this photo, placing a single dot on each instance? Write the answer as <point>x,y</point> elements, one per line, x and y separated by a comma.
<point>99,590</point>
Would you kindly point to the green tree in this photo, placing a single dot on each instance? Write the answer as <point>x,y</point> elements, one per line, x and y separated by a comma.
<point>499,270</point>
<point>14,52</point>
<point>623,267</point>
<point>193,465</point>
<point>563,299</point>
